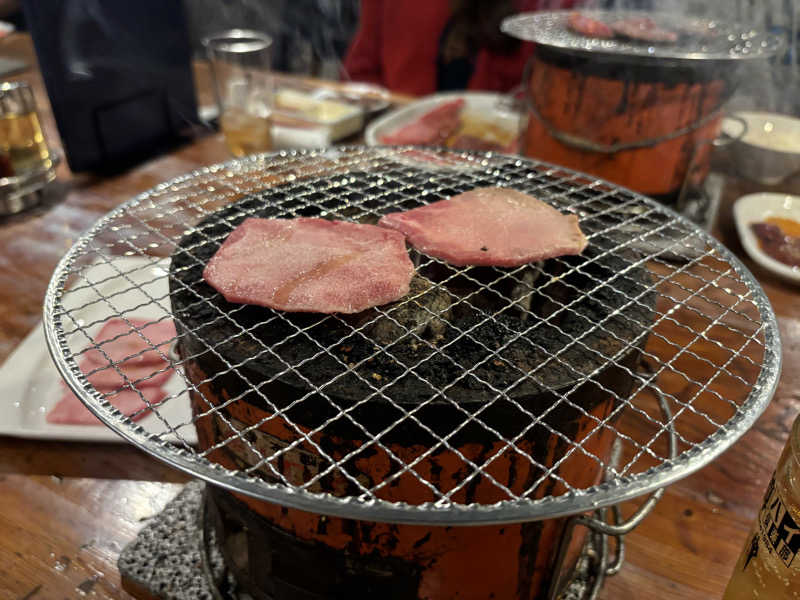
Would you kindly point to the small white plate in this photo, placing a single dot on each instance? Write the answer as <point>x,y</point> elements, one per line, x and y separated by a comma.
<point>755,208</point>
<point>488,105</point>
<point>30,384</point>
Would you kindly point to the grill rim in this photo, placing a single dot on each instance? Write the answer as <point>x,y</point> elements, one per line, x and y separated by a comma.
<point>533,27</point>
<point>506,511</point>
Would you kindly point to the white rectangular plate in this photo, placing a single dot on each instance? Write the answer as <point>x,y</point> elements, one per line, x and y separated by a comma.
<point>30,384</point>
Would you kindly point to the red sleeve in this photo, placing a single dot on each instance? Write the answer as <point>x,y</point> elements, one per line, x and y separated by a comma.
<point>363,60</point>
<point>499,73</point>
<point>502,73</point>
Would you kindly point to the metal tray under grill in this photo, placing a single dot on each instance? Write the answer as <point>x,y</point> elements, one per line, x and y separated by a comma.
<point>699,39</point>
<point>685,325</point>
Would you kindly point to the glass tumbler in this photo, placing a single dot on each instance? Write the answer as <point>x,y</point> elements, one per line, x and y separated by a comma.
<point>240,64</point>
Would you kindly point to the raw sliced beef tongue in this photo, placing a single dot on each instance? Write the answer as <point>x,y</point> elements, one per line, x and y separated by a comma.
<point>135,357</point>
<point>432,128</point>
<point>644,29</point>
<point>71,411</point>
<point>589,27</point>
<point>490,227</point>
<point>106,377</point>
<point>120,342</point>
<point>311,265</point>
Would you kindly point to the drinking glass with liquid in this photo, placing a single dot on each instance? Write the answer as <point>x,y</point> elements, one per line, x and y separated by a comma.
<point>23,148</point>
<point>240,63</point>
<point>769,566</point>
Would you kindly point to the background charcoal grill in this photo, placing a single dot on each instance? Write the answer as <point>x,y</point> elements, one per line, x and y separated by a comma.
<point>712,347</point>
<point>698,38</point>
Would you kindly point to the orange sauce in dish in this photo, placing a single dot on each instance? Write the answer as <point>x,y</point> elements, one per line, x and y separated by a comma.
<point>789,227</point>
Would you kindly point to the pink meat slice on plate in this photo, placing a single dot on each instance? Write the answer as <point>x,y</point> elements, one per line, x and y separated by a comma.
<point>311,265</point>
<point>589,27</point>
<point>644,29</point>
<point>71,411</point>
<point>490,227</point>
<point>121,342</point>
<point>432,128</point>
<point>143,375</point>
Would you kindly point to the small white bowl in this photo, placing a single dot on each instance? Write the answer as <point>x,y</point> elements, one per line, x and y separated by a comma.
<point>769,150</point>
<point>756,208</point>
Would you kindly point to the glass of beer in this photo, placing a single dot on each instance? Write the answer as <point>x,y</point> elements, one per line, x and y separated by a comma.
<point>769,566</point>
<point>240,64</point>
<point>23,148</point>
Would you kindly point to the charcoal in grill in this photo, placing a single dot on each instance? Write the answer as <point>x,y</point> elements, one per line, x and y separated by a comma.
<point>337,362</point>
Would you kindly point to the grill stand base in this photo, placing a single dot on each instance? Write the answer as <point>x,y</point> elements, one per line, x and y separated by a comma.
<point>169,559</point>
<point>176,557</point>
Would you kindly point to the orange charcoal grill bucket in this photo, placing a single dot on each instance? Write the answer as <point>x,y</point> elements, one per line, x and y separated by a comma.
<point>643,115</point>
<point>466,441</point>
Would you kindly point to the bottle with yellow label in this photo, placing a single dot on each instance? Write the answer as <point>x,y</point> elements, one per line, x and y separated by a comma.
<point>769,566</point>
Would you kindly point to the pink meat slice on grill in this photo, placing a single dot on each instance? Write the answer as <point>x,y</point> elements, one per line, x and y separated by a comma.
<point>121,342</point>
<point>432,128</point>
<point>491,227</point>
<point>106,377</point>
<point>71,411</point>
<point>644,29</point>
<point>311,265</point>
<point>589,27</point>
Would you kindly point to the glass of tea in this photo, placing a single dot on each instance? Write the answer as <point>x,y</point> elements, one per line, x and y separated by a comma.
<point>240,64</point>
<point>23,148</point>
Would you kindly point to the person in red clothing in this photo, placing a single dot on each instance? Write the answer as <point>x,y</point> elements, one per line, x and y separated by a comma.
<point>423,46</point>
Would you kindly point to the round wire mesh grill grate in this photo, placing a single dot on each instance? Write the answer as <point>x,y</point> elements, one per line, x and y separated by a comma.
<point>698,39</point>
<point>485,395</point>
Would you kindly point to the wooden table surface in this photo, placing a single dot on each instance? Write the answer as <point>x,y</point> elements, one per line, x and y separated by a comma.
<point>67,509</point>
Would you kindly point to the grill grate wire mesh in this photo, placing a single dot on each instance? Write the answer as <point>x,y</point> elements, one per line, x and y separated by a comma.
<point>703,331</point>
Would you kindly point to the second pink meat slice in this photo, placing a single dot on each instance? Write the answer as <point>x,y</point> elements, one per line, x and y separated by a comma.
<point>71,411</point>
<point>311,265</point>
<point>135,341</point>
<point>113,377</point>
<point>489,227</point>
<point>432,128</point>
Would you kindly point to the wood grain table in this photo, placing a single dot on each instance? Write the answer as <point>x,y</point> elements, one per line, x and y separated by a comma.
<point>67,509</point>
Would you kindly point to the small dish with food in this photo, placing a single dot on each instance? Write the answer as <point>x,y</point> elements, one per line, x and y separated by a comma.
<point>460,121</point>
<point>769,227</point>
